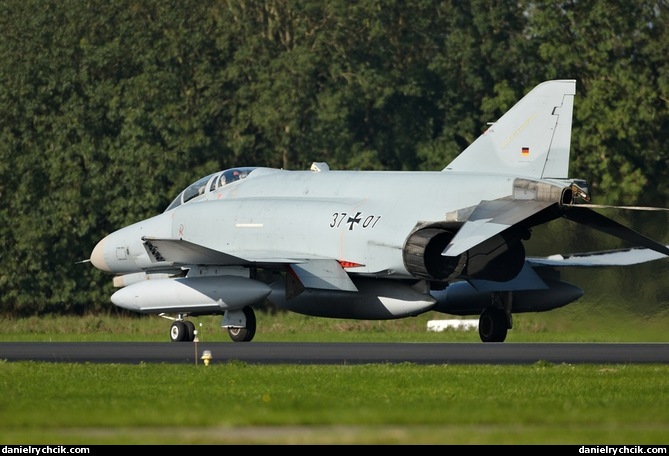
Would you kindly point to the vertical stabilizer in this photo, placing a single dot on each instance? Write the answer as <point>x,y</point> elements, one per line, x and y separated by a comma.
<point>531,139</point>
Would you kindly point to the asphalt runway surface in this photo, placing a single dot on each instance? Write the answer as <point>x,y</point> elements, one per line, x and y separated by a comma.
<point>335,353</point>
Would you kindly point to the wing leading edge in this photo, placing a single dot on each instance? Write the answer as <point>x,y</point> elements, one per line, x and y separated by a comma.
<point>310,272</point>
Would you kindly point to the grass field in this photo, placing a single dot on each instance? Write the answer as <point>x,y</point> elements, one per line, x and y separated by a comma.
<point>592,321</point>
<point>237,403</point>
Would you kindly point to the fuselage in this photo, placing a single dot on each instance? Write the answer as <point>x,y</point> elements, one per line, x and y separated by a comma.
<point>357,217</point>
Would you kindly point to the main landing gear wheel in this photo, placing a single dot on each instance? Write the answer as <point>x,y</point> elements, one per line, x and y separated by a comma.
<point>493,325</point>
<point>182,331</point>
<point>245,334</point>
<point>191,330</point>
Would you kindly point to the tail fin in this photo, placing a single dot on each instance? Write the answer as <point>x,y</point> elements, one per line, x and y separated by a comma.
<point>531,139</point>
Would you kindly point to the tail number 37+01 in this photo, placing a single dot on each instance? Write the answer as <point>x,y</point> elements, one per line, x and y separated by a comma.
<point>359,219</point>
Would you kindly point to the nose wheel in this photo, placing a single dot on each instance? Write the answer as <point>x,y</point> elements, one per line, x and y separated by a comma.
<point>182,331</point>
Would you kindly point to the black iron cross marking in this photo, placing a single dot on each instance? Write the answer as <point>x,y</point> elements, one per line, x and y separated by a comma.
<point>352,220</point>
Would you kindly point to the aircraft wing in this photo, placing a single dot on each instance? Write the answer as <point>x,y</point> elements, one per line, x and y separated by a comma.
<point>310,272</point>
<point>489,219</point>
<point>619,257</point>
<point>180,252</point>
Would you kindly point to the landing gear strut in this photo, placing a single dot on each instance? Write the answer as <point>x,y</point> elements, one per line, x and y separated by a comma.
<point>236,332</point>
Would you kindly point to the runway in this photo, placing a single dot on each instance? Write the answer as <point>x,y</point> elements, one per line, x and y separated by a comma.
<point>335,353</point>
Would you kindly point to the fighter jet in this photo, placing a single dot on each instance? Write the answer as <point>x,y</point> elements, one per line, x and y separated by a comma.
<point>373,245</point>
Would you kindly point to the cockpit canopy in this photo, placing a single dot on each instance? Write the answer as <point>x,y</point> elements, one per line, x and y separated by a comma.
<point>208,184</point>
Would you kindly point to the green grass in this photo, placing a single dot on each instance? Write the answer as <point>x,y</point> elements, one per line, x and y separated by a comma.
<point>238,403</point>
<point>589,322</point>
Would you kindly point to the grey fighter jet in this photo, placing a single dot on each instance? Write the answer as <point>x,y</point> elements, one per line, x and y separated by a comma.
<point>373,244</point>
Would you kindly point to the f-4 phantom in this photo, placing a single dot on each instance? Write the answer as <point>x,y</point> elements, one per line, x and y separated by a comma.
<point>373,245</point>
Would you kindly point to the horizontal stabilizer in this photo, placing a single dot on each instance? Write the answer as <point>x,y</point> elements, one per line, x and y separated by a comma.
<point>596,221</point>
<point>621,257</point>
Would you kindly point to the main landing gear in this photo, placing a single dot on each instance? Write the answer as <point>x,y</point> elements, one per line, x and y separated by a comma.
<point>495,321</point>
<point>241,326</point>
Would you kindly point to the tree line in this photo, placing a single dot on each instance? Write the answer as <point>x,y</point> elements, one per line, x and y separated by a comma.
<point>109,109</point>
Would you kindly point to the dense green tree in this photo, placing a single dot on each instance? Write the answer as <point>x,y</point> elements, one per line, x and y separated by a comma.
<point>483,69</point>
<point>338,81</point>
<point>109,109</point>
<point>107,121</point>
<point>621,112</point>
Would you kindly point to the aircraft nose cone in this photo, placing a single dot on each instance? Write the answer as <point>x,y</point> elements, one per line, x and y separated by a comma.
<point>98,256</point>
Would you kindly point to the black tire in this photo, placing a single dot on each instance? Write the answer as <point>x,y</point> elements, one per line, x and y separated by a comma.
<point>178,332</point>
<point>245,334</point>
<point>190,326</point>
<point>493,325</point>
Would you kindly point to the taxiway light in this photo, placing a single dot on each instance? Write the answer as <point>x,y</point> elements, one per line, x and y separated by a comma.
<point>206,357</point>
